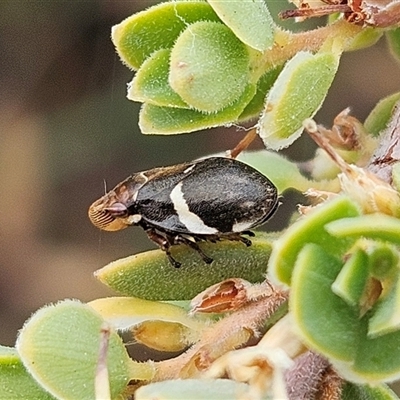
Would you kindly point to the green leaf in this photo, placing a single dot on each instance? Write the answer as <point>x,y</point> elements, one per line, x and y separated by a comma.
<point>366,38</point>
<point>393,38</point>
<point>150,276</point>
<point>297,94</point>
<point>352,279</point>
<point>372,226</point>
<point>59,346</point>
<point>386,318</point>
<point>256,104</point>
<point>151,85</point>
<point>352,391</point>
<point>16,382</point>
<point>377,359</point>
<point>383,260</point>
<point>199,389</point>
<point>169,120</point>
<point>379,117</point>
<point>124,312</point>
<point>310,229</point>
<point>209,66</point>
<point>283,173</point>
<point>160,326</point>
<point>158,27</point>
<point>249,20</point>
<point>327,324</point>
<point>396,175</point>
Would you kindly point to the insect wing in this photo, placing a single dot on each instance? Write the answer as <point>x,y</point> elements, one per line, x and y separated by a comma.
<point>226,196</point>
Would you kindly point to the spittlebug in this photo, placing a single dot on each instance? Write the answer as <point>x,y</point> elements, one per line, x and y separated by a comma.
<point>207,200</point>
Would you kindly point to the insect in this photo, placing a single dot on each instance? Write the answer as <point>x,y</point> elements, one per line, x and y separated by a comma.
<point>208,200</point>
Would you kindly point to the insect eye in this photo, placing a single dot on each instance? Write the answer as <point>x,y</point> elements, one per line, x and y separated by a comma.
<point>117,210</point>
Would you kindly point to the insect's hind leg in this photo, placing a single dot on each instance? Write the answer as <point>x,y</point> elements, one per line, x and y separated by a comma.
<point>237,236</point>
<point>246,241</point>
<point>164,242</point>
<point>191,242</point>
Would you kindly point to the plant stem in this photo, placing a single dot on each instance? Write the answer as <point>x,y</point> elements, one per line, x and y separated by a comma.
<point>288,44</point>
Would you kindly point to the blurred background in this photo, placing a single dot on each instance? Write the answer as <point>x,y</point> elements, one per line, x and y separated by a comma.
<point>67,130</point>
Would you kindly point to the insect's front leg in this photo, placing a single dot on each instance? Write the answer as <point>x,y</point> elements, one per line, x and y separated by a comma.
<point>164,243</point>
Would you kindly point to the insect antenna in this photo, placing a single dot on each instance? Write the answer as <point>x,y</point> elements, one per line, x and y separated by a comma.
<point>105,186</point>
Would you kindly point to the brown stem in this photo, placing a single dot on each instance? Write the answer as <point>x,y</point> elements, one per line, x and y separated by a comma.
<point>243,144</point>
<point>315,12</point>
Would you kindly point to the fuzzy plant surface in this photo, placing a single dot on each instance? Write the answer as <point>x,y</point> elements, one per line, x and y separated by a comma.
<point>310,312</point>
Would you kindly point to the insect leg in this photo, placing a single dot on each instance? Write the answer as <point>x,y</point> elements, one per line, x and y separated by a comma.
<point>192,244</point>
<point>238,237</point>
<point>164,243</point>
<point>246,241</point>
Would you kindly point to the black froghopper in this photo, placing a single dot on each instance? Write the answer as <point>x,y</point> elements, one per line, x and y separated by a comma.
<point>211,199</point>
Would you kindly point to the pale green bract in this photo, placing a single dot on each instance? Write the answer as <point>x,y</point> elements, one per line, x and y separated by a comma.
<point>137,37</point>
<point>249,20</point>
<point>393,38</point>
<point>150,276</point>
<point>209,66</point>
<point>172,120</point>
<point>59,346</point>
<point>150,84</point>
<point>16,382</point>
<point>297,94</point>
<point>380,115</point>
<point>216,389</point>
